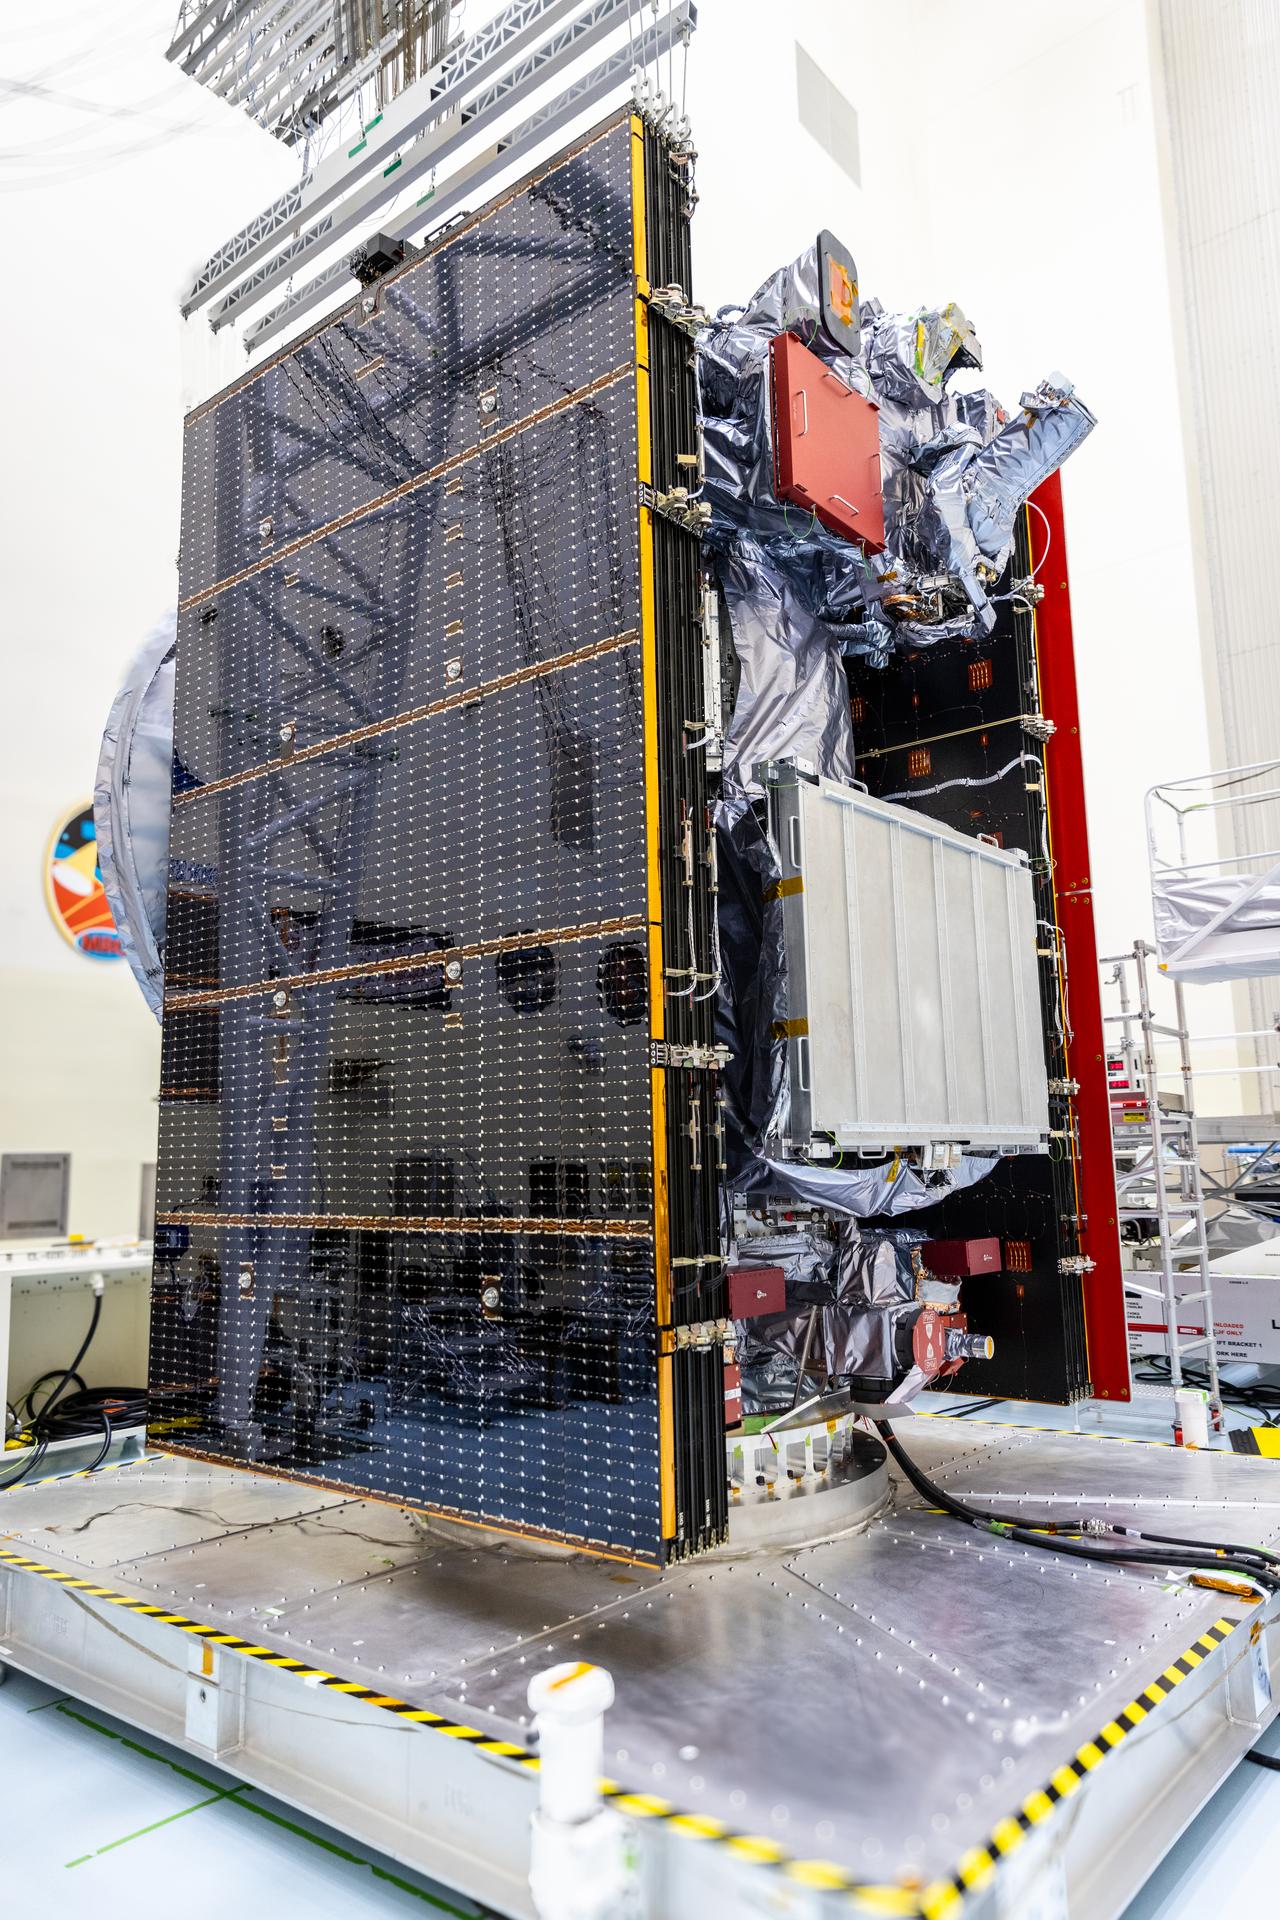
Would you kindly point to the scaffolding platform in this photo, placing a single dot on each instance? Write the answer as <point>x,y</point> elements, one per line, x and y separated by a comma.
<point>909,1718</point>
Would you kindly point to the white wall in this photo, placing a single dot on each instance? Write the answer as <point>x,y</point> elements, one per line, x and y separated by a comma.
<point>1218,74</point>
<point>1008,162</point>
<point>96,244</point>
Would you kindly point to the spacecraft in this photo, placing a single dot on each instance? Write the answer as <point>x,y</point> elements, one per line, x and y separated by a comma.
<point>610,936</point>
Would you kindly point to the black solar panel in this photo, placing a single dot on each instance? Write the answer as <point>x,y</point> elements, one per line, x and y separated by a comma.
<point>429,1215</point>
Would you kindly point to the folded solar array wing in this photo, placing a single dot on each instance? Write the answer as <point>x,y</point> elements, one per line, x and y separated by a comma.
<point>439,1143</point>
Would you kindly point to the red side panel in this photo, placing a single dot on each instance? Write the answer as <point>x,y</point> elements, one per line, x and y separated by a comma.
<point>1104,1314</point>
<point>826,444</point>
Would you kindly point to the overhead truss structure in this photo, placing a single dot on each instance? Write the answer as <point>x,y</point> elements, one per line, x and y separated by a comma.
<point>440,128</point>
<point>290,63</point>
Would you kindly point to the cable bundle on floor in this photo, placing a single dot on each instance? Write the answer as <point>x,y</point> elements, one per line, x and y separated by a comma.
<point>63,1415</point>
<point>1081,1538</point>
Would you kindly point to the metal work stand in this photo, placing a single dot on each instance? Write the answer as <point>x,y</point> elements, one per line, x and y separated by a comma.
<point>1157,1156</point>
<point>1033,1731</point>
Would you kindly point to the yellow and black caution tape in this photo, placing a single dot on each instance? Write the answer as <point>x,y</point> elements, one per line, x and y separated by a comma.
<point>756,1849</point>
<point>945,1897</point>
<point>213,1636</point>
<point>938,1901</point>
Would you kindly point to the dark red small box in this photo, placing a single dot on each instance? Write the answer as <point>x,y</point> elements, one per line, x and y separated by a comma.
<point>756,1290</point>
<point>961,1259</point>
<point>732,1395</point>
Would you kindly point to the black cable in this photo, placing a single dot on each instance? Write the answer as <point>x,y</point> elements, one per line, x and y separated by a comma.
<point>72,1372</point>
<point>28,1466</point>
<point>1225,1546</point>
<point>1260,1396</point>
<point>938,1497</point>
<point>1260,1759</point>
<point>1138,1556</point>
<point>1258,1557</point>
<point>54,1373</point>
<point>79,1415</point>
<point>1251,1563</point>
<point>105,1448</point>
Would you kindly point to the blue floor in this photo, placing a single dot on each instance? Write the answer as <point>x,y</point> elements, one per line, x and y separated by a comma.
<point>1228,1860</point>
<point>99,1820</point>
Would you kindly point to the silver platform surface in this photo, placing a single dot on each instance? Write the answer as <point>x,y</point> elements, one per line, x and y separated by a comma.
<point>881,1702</point>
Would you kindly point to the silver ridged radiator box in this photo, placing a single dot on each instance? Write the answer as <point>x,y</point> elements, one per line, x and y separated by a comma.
<point>912,995</point>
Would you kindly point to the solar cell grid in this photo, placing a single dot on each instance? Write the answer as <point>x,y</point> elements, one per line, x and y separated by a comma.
<point>419,1188</point>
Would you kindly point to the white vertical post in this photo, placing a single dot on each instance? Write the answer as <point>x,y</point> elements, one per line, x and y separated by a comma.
<point>1194,1182</point>
<point>570,1703</point>
<point>1160,1192</point>
<point>581,1860</point>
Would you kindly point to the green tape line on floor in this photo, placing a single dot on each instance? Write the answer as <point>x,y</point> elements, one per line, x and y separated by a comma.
<point>220,1795</point>
<point>214,1799</point>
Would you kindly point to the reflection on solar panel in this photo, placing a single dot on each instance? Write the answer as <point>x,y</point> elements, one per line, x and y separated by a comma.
<point>430,1212</point>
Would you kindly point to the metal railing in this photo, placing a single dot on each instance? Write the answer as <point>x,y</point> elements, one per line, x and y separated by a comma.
<point>1156,1146</point>
<point>1199,894</point>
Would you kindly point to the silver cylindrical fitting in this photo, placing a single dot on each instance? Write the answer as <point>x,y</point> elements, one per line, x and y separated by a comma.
<point>969,1346</point>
